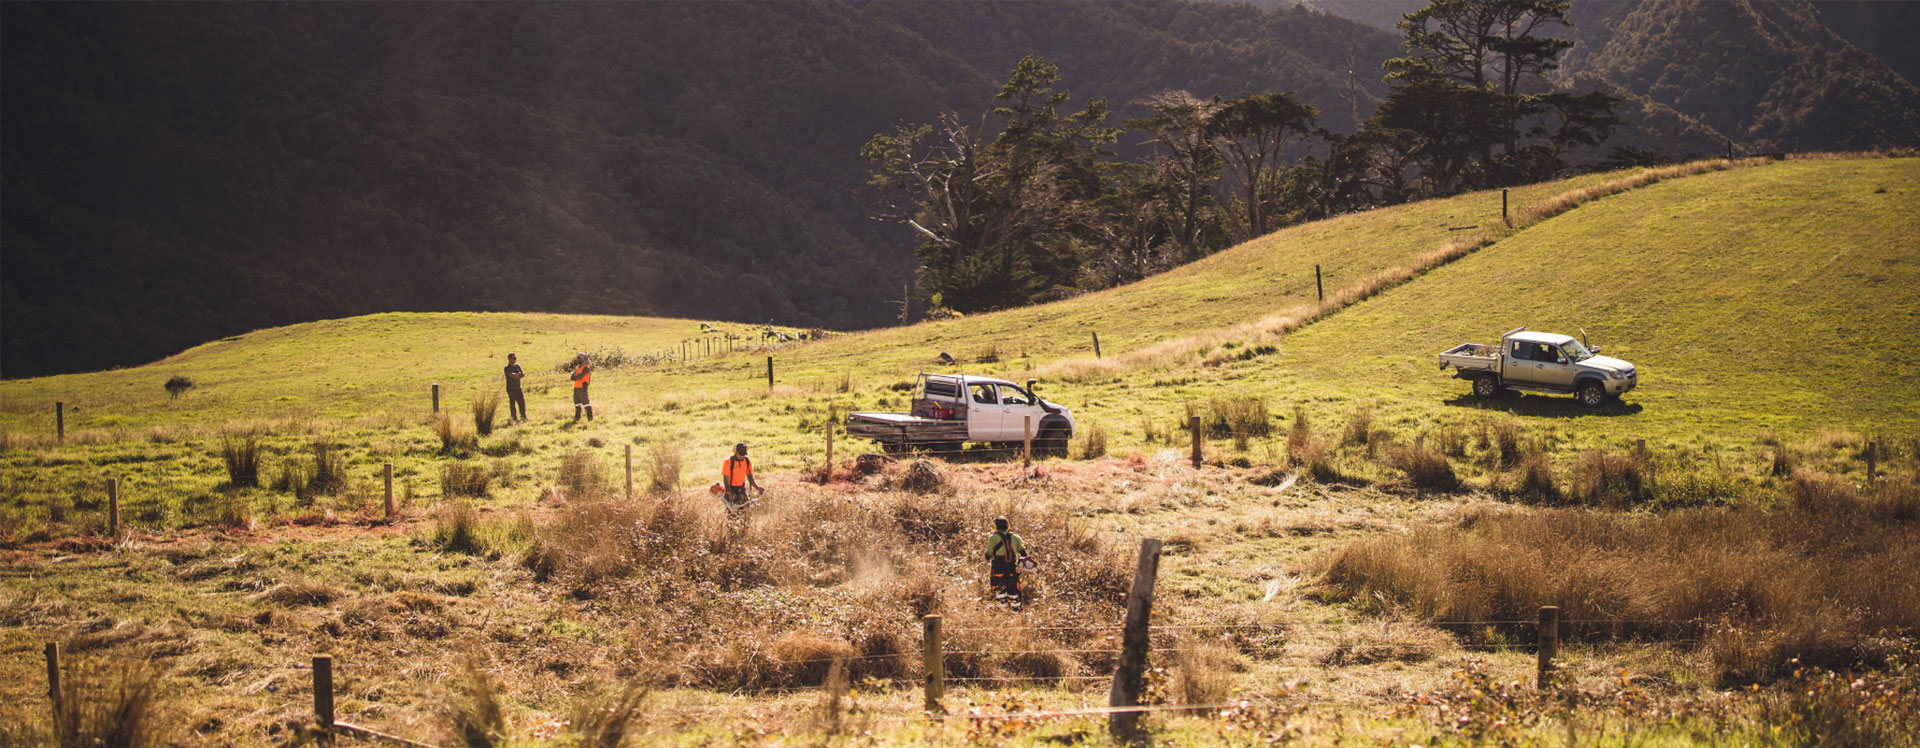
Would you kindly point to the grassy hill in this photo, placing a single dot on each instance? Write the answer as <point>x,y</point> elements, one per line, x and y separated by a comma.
<point>1776,296</point>
<point>1772,296</point>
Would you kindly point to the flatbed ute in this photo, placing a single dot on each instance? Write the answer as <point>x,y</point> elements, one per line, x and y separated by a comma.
<point>950,410</point>
<point>1541,362</point>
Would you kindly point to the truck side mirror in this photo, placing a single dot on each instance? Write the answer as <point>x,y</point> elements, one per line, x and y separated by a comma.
<point>1596,350</point>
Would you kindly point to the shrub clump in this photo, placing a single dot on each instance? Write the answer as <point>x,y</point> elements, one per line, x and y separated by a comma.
<point>240,451</point>
<point>484,408</point>
<point>177,386</point>
<point>453,440</point>
<point>1426,468</point>
<point>465,479</point>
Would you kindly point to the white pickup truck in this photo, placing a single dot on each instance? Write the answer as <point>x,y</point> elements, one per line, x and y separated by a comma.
<point>950,410</point>
<point>1541,362</point>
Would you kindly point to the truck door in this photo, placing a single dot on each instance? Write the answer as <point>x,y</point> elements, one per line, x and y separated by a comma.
<point>1016,406</point>
<point>1555,368</point>
<point>985,421</point>
<point>1517,366</point>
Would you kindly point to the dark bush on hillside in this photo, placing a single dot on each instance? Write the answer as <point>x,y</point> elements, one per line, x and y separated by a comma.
<point>177,386</point>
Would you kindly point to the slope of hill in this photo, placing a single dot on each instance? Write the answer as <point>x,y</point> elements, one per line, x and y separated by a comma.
<point>1774,297</point>
<point>1675,277</point>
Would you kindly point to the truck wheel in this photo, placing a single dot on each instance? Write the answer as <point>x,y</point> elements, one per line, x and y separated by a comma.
<point>1485,387</point>
<point>1052,442</point>
<point>1593,395</point>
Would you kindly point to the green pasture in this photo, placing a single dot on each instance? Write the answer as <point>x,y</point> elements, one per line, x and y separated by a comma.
<point>1780,296</point>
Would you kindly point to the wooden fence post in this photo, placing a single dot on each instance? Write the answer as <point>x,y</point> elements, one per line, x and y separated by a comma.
<point>113,508</point>
<point>769,372</point>
<point>1134,643</point>
<point>386,474</point>
<point>936,663</point>
<point>323,696</point>
<point>53,678</point>
<point>1549,636</point>
<point>1318,287</point>
<point>436,398</point>
<point>629,472</point>
<point>829,473</point>
<point>1873,456</point>
<point>1193,424</point>
<point>1503,208</point>
<point>1096,345</point>
<point>60,421</point>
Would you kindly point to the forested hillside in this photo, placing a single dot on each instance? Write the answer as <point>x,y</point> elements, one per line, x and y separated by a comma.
<point>178,173</point>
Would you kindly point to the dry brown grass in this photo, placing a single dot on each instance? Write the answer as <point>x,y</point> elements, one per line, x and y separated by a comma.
<point>663,467</point>
<point>465,479</point>
<point>772,599</point>
<point>1427,469</point>
<point>453,439</point>
<point>1807,581</point>
<point>583,477</point>
<point>111,705</point>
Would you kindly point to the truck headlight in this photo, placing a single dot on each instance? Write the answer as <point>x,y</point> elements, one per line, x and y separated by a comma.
<point>1616,375</point>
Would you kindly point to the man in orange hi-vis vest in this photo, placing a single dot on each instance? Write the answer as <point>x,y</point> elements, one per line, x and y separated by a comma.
<point>737,474</point>
<point>582,374</point>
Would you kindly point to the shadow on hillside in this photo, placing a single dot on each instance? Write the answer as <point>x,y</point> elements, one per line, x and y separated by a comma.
<point>1549,406</point>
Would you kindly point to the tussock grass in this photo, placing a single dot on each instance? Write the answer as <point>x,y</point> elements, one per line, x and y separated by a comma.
<point>877,554</point>
<point>240,452</point>
<point>474,715</point>
<point>453,440</point>
<point>1762,587</point>
<point>1604,478</point>
<point>663,467</point>
<point>1203,673</point>
<point>329,472</point>
<point>465,479</point>
<point>609,721</point>
<point>583,477</point>
<point>112,705</point>
<point>484,408</point>
<point>1239,418</point>
<point>1427,469</point>
<point>1093,441</point>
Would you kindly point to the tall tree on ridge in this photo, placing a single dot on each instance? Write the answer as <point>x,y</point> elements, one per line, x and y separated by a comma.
<point>1252,132</point>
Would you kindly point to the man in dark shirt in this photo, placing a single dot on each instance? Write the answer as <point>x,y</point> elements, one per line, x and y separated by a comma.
<point>516,400</point>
